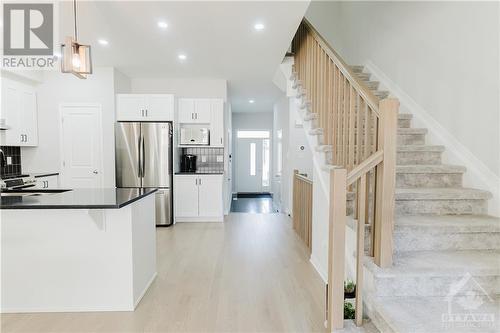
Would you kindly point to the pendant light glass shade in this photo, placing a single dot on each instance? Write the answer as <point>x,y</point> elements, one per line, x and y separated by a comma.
<point>76,58</point>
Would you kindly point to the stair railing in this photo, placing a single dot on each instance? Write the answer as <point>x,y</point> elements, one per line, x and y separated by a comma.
<point>302,208</point>
<point>360,130</point>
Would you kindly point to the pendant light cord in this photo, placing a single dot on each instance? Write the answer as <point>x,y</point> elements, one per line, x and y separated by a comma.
<point>74,13</point>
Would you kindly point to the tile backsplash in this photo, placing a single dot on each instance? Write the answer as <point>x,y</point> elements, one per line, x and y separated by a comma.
<point>14,168</point>
<point>208,160</point>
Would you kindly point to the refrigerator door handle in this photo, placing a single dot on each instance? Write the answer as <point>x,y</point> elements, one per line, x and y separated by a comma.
<point>143,157</point>
<point>139,164</point>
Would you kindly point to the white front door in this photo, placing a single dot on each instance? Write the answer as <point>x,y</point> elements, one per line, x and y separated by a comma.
<point>81,142</point>
<point>252,158</point>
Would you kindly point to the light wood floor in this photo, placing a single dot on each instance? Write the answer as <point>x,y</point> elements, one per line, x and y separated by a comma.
<point>249,274</point>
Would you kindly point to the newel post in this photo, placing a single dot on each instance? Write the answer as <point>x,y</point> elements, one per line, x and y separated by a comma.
<point>386,183</point>
<point>336,249</point>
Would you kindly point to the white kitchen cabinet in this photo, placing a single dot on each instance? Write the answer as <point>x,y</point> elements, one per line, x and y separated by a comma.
<point>130,107</point>
<point>160,107</point>
<point>19,109</point>
<point>210,195</point>
<point>186,110</point>
<point>217,123</point>
<point>186,196</point>
<point>47,182</point>
<point>198,198</point>
<point>140,107</point>
<point>202,111</point>
<point>195,110</point>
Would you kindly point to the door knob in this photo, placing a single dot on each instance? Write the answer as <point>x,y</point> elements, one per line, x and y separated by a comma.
<point>95,172</point>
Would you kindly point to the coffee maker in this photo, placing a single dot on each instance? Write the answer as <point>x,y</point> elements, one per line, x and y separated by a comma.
<point>188,163</point>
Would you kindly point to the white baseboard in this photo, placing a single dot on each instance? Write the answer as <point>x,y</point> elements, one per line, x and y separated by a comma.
<point>318,269</point>
<point>145,290</point>
<point>478,175</point>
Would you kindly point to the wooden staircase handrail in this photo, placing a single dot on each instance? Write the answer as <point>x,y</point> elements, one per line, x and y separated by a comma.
<point>359,85</point>
<point>361,130</point>
<point>367,165</point>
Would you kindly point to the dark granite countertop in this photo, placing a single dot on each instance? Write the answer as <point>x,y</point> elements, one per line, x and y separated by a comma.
<point>199,173</point>
<point>89,198</point>
<point>44,174</point>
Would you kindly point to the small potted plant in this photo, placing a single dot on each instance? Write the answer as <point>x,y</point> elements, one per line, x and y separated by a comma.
<point>349,289</point>
<point>349,312</point>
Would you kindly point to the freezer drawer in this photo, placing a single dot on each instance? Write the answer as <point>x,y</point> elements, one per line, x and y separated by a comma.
<point>163,202</point>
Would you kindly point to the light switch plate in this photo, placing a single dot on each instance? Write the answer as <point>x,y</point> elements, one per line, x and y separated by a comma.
<point>220,158</point>
<point>9,159</point>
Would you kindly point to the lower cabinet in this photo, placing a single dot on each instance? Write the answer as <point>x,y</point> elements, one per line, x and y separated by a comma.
<point>47,182</point>
<point>198,198</point>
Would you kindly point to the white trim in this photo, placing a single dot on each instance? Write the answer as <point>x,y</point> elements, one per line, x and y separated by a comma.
<point>138,300</point>
<point>317,267</point>
<point>478,175</point>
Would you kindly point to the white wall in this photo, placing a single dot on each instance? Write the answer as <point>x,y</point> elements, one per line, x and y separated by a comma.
<point>281,186</point>
<point>294,138</point>
<point>58,88</point>
<point>249,121</point>
<point>200,88</point>
<point>444,55</point>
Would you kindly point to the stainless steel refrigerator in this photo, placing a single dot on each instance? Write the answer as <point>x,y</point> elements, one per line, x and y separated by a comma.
<point>144,160</point>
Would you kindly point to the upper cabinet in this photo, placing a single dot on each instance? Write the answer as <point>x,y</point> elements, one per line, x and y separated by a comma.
<point>138,107</point>
<point>204,111</point>
<point>194,110</point>
<point>19,109</point>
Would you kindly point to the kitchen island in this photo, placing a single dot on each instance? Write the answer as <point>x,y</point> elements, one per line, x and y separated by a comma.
<point>76,250</point>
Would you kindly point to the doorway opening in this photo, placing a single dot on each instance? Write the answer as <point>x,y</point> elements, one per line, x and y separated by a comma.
<point>253,172</point>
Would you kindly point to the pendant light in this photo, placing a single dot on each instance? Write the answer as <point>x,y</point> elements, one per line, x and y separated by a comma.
<point>76,57</point>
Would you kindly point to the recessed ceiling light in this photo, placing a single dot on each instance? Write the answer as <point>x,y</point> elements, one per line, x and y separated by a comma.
<point>103,42</point>
<point>251,101</point>
<point>182,56</point>
<point>162,25</point>
<point>259,26</point>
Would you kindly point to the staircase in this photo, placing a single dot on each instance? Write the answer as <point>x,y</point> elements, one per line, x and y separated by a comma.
<point>442,236</point>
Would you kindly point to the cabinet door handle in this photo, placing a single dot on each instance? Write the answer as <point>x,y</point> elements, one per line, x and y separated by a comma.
<point>196,116</point>
<point>192,115</point>
<point>200,181</point>
<point>146,112</point>
<point>196,181</point>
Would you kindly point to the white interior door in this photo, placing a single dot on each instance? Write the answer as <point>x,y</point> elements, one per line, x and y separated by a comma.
<point>81,142</point>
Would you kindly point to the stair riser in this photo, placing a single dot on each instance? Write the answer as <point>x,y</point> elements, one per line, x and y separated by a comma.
<point>412,180</point>
<point>418,157</point>
<point>404,123</point>
<point>410,139</point>
<point>430,285</point>
<point>441,207</point>
<point>406,239</point>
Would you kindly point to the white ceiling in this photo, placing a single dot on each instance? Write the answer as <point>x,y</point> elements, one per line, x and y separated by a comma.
<point>218,38</point>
